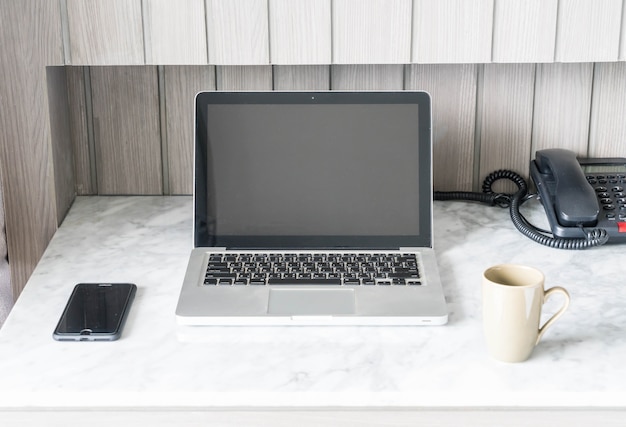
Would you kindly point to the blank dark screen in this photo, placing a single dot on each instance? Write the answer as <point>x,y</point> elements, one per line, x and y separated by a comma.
<point>94,307</point>
<point>313,169</point>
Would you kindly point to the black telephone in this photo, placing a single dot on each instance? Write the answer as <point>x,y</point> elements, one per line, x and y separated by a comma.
<point>579,194</point>
<point>584,199</point>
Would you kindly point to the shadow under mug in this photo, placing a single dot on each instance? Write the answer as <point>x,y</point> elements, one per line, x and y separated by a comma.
<point>513,296</point>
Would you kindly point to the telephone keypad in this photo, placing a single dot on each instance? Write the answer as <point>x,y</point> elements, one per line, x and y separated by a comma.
<point>612,198</point>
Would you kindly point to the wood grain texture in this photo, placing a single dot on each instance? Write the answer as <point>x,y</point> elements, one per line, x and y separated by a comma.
<point>562,106</point>
<point>453,91</point>
<point>622,44</point>
<point>371,31</point>
<point>301,77</point>
<point>79,131</point>
<point>31,34</point>
<point>237,77</point>
<point>588,30</point>
<point>175,32</point>
<point>237,32</point>
<point>181,86</point>
<point>367,77</point>
<point>105,32</point>
<point>126,127</point>
<point>61,140</point>
<point>452,31</point>
<point>607,134</point>
<point>300,31</point>
<point>506,115</point>
<point>524,31</point>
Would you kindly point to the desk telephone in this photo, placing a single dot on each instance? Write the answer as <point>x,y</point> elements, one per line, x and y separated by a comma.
<point>584,199</point>
<point>579,193</point>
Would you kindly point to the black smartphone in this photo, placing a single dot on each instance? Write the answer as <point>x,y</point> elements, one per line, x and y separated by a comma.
<point>95,312</point>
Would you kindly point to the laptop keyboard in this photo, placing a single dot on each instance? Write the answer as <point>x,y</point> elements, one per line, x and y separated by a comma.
<point>353,269</point>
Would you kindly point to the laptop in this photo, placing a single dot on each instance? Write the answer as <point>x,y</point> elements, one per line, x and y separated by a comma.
<point>312,208</point>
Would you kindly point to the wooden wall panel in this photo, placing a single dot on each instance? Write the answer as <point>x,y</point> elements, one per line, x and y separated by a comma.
<point>524,31</point>
<point>506,114</point>
<point>607,137</point>
<point>301,77</point>
<point>367,77</point>
<point>181,86</point>
<point>77,87</point>
<point>371,31</point>
<point>622,44</point>
<point>61,141</point>
<point>238,32</point>
<point>313,32</point>
<point>453,92</point>
<point>31,35</point>
<point>235,77</point>
<point>562,106</point>
<point>105,32</point>
<point>588,30</point>
<point>175,32</point>
<point>452,31</point>
<point>300,31</point>
<point>127,130</point>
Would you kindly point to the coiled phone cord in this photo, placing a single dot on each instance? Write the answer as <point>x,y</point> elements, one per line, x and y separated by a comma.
<point>593,237</point>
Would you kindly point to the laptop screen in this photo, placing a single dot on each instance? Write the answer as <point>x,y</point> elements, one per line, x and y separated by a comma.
<point>313,170</point>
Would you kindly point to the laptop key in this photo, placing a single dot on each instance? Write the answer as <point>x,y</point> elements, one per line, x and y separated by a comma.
<point>296,281</point>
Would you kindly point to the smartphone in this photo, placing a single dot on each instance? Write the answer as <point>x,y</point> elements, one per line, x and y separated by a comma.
<point>95,312</point>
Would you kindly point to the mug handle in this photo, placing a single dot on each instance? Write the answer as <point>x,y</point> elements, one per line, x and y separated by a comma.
<point>546,295</point>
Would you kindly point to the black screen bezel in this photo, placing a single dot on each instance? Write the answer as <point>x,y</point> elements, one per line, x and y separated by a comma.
<point>204,235</point>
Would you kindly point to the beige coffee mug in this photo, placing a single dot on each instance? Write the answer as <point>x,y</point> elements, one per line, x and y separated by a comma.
<point>513,296</point>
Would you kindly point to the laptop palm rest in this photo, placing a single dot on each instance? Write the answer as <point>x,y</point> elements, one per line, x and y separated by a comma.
<point>311,302</point>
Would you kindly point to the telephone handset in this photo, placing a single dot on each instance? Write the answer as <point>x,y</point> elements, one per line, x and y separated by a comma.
<point>581,193</point>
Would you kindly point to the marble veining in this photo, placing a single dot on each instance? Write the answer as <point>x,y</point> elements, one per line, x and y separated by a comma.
<point>146,240</point>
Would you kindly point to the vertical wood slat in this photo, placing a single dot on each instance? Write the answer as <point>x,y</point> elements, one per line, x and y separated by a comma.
<point>60,134</point>
<point>452,31</point>
<point>126,127</point>
<point>105,32</point>
<point>453,92</point>
<point>622,43</point>
<point>371,31</point>
<point>300,32</point>
<point>588,30</point>
<point>239,77</point>
<point>26,163</point>
<point>524,31</point>
<point>181,86</point>
<point>175,32</point>
<point>506,113</point>
<point>562,106</point>
<point>79,131</point>
<point>367,77</point>
<point>608,127</point>
<point>238,32</point>
<point>301,77</point>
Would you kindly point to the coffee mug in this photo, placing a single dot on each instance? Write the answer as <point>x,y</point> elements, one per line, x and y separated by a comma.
<point>513,296</point>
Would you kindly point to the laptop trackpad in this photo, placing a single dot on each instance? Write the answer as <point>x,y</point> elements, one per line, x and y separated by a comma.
<point>311,302</point>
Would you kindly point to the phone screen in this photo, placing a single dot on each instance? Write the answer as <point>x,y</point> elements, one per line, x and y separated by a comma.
<point>95,311</point>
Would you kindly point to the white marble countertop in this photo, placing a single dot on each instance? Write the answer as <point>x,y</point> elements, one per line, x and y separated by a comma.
<point>146,240</point>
